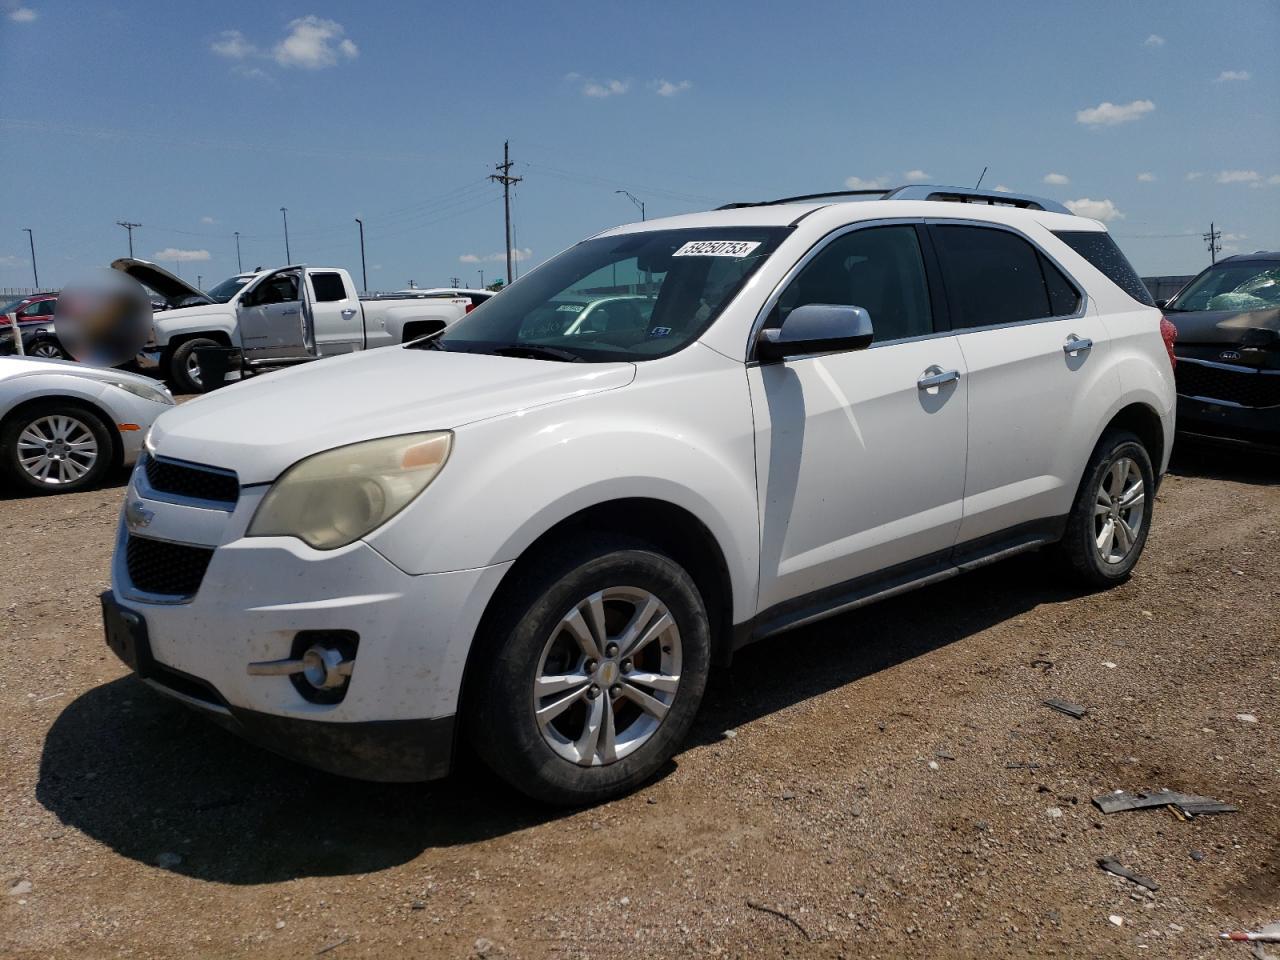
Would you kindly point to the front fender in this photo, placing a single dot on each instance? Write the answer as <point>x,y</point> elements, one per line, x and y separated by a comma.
<point>685,438</point>
<point>170,328</point>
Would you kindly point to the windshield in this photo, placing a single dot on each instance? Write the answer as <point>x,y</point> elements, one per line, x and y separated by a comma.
<point>227,289</point>
<point>635,296</point>
<point>13,306</point>
<point>1251,285</point>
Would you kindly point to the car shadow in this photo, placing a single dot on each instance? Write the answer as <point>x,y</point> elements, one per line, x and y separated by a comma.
<point>1217,461</point>
<point>115,479</point>
<point>150,779</point>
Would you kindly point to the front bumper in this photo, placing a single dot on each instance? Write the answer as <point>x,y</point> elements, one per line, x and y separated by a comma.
<point>1218,420</point>
<point>257,594</point>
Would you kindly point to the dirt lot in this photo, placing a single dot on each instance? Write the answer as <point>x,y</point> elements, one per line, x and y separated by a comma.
<point>888,782</point>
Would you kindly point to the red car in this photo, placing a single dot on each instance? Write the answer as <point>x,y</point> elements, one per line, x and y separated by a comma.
<point>35,321</point>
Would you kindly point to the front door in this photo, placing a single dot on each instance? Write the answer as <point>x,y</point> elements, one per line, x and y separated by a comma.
<point>860,456</point>
<point>338,323</point>
<point>270,318</point>
<point>1034,350</point>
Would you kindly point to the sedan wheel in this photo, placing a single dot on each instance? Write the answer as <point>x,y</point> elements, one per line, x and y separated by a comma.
<point>47,350</point>
<point>57,450</point>
<point>607,676</point>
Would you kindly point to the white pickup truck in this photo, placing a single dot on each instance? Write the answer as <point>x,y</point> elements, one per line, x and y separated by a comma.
<point>273,320</point>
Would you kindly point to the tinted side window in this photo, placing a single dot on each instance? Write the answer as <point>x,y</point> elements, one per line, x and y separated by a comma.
<point>328,287</point>
<point>879,269</point>
<point>1099,249</point>
<point>1064,298</point>
<point>992,276</point>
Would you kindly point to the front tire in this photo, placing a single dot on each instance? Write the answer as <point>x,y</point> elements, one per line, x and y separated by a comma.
<point>589,681</point>
<point>47,348</point>
<point>184,370</point>
<point>1108,525</point>
<point>55,447</point>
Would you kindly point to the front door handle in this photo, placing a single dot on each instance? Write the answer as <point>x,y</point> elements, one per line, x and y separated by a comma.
<point>937,377</point>
<point>348,313</point>
<point>1076,345</point>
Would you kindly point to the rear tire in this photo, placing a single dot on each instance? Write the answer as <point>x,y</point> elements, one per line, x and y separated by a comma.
<point>184,372</point>
<point>55,447</point>
<point>1108,524</point>
<point>589,679</point>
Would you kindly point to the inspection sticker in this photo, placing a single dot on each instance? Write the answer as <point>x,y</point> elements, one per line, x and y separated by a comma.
<point>717,248</point>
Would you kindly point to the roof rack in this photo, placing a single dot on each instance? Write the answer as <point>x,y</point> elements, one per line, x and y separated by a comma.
<point>920,191</point>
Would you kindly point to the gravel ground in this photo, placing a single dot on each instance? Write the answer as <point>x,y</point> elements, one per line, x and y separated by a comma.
<point>886,784</point>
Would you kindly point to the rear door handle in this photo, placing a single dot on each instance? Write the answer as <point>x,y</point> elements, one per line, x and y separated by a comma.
<point>937,377</point>
<point>1076,345</point>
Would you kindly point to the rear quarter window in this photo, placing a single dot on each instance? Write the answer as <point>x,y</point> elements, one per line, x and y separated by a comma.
<point>1100,250</point>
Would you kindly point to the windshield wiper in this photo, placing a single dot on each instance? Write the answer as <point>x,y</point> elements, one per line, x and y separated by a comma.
<point>536,352</point>
<point>429,343</point>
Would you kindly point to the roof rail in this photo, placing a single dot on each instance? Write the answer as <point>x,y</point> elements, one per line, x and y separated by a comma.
<point>807,196</point>
<point>1025,201</point>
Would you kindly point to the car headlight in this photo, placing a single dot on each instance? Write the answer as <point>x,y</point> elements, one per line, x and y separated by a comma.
<point>157,394</point>
<point>334,498</point>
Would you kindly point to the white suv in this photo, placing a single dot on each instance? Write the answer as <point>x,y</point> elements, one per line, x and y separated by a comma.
<point>536,537</point>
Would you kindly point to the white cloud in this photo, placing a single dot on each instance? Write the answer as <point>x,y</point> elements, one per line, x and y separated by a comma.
<point>1237,176</point>
<point>1001,188</point>
<point>665,88</point>
<point>170,254</point>
<point>1226,76</point>
<point>1194,175</point>
<point>1273,180</point>
<point>311,43</point>
<point>1155,40</point>
<point>208,220</point>
<point>517,256</point>
<point>916,176</point>
<point>857,183</point>
<point>22,15</point>
<point>233,45</point>
<point>10,261</point>
<point>1145,177</point>
<point>1057,179</point>
<point>314,43</point>
<point>1107,114</point>
<point>1103,210</point>
<point>605,88</point>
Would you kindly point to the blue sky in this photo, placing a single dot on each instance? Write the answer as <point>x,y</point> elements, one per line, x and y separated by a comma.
<point>197,120</point>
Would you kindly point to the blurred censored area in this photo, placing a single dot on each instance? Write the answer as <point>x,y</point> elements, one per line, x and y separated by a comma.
<point>103,319</point>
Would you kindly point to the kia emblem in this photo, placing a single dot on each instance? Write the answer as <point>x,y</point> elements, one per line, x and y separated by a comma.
<point>1229,355</point>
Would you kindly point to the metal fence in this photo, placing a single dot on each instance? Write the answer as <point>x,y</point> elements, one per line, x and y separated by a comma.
<point>12,293</point>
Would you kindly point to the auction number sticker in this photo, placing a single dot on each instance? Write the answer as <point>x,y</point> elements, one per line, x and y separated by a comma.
<point>717,248</point>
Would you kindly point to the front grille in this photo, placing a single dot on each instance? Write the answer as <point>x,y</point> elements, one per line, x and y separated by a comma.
<point>169,569</point>
<point>201,483</point>
<point>1245,386</point>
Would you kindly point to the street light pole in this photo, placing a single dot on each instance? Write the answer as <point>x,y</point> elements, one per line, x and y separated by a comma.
<point>364,274</point>
<point>482,278</point>
<point>34,272</point>
<point>632,197</point>
<point>239,265</point>
<point>284,212</point>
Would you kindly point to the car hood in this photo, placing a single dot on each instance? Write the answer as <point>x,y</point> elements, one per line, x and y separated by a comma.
<point>1249,337</point>
<point>191,313</point>
<point>12,368</point>
<point>171,287</point>
<point>262,426</point>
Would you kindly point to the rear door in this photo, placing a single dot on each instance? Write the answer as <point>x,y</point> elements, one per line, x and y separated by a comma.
<point>336,309</point>
<point>1038,382</point>
<point>860,456</point>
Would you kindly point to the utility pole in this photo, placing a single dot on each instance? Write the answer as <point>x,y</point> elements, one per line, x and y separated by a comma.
<point>506,180</point>
<point>34,272</point>
<point>284,212</point>
<point>632,197</point>
<point>199,281</point>
<point>455,281</point>
<point>364,274</point>
<point>1214,241</point>
<point>482,286</point>
<point>239,265</point>
<point>128,226</point>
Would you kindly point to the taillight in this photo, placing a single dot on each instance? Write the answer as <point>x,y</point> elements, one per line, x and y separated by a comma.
<point>1169,333</point>
<point>470,307</point>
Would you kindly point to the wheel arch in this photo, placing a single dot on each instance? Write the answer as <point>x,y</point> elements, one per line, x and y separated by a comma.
<point>75,400</point>
<point>1142,420</point>
<point>667,527</point>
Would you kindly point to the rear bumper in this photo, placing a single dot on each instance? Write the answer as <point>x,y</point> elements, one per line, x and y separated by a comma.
<point>1214,420</point>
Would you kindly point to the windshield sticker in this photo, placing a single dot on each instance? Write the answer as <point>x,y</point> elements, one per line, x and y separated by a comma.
<point>569,308</point>
<point>717,248</point>
<point>660,332</point>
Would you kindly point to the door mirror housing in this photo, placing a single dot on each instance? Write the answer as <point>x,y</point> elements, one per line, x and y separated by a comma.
<point>815,328</point>
<point>1162,304</point>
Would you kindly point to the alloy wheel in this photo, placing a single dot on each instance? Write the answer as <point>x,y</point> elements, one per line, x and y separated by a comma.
<point>607,676</point>
<point>57,449</point>
<point>47,351</point>
<point>1119,510</point>
<point>193,369</point>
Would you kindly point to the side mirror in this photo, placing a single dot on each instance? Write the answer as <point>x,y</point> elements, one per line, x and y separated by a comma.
<point>815,328</point>
<point>1162,304</point>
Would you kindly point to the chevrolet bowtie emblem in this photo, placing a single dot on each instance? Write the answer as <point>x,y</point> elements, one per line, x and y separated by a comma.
<point>136,515</point>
